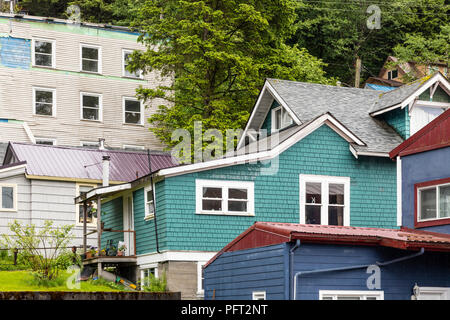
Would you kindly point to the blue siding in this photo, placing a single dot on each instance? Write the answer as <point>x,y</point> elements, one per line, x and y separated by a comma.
<point>323,152</point>
<point>422,167</point>
<point>15,52</point>
<point>113,218</point>
<point>235,275</point>
<point>397,280</point>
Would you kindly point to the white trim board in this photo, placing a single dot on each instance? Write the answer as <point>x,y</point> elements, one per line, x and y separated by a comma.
<point>192,256</point>
<point>326,118</point>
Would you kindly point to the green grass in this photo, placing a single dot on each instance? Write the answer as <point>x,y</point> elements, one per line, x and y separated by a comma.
<point>23,281</point>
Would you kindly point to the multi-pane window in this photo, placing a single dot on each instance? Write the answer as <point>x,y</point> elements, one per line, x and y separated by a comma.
<point>46,141</point>
<point>324,200</point>
<point>280,119</point>
<point>8,197</point>
<point>434,202</point>
<point>132,109</point>
<point>44,101</point>
<point>147,274</point>
<point>91,208</point>
<point>225,197</point>
<point>149,203</point>
<point>392,74</point>
<point>126,56</point>
<point>43,53</point>
<point>91,106</point>
<point>90,58</point>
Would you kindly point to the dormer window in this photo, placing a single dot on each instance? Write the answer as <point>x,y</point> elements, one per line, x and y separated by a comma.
<point>280,119</point>
<point>392,74</point>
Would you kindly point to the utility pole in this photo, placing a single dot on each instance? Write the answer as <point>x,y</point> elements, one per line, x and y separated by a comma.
<point>358,72</point>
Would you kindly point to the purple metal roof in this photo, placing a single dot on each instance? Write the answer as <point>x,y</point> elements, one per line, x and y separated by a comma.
<point>82,163</point>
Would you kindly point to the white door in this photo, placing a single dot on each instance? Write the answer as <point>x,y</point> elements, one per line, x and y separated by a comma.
<point>128,224</point>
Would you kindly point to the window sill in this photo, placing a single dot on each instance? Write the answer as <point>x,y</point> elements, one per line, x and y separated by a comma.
<point>133,124</point>
<point>94,121</point>
<point>44,67</point>
<point>431,223</point>
<point>222,213</point>
<point>7,210</point>
<point>43,116</point>
<point>133,78</point>
<point>149,217</point>
<point>91,72</point>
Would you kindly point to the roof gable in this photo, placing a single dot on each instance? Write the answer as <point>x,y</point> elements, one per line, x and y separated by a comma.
<point>434,135</point>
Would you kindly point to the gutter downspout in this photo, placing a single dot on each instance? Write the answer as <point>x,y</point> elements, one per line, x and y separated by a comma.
<point>291,265</point>
<point>421,252</point>
<point>154,200</point>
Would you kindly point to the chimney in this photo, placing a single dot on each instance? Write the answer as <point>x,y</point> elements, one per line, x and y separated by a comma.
<point>105,170</point>
<point>101,144</point>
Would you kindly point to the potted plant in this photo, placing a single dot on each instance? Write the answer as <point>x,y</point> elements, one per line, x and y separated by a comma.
<point>90,253</point>
<point>103,252</point>
<point>121,250</point>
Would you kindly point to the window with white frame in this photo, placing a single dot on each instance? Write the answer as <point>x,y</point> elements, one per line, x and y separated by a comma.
<point>258,295</point>
<point>132,111</point>
<point>90,58</point>
<point>225,197</point>
<point>350,295</point>
<point>8,199</point>
<point>149,203</point>
<point>44,101</point>
<point>147,274</point>
<point>200,278</point>
<point>43,53</point>
<point>46,141</point>
<point>125,60</point>
<point>280,119</point>
<point>433,202</point>
<point>91,208</point>
<point>324,200</point>
<point>91,106</point>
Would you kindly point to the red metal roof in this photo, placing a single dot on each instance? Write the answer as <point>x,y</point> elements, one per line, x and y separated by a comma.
<point>83,163</point>
<point>434,135</point>
<point>262,234</point>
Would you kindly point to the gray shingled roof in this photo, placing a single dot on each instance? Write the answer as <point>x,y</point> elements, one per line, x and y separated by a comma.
<point>350,106</point>
<point>397,96</point>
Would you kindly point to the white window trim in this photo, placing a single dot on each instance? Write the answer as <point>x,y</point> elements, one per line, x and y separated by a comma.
<point>14,208</point>
<point>443,291</point>
<point>249,185</point>
<point>325,181</point>
<point>419,205</point>
<point>53,91</point>
<point>99,48</point>
<point>148,215</point>
<point>100,105</point>
<point>256,294</point>
<point>283,125</point>
<point>200,290</point>
<point>77,193</point>
<point>52,140</point>
<point>33,57</point>
<point>125,51</point>
<point>141,121</point>
<point>335,293</point>
<point>151,266</point>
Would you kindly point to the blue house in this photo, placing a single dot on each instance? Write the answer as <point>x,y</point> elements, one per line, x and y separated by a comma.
<point>309,154</point>
<point>423,163</point>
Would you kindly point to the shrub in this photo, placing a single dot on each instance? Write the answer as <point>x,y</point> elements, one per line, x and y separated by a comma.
<point>155,284</point>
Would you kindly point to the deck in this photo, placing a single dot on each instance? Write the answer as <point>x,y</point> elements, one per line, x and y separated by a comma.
<point>104,260</point>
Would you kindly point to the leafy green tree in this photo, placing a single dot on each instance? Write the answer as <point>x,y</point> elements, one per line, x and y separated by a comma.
<point>218,54</point>
<point>425,50</point>
<point>336,31</point>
